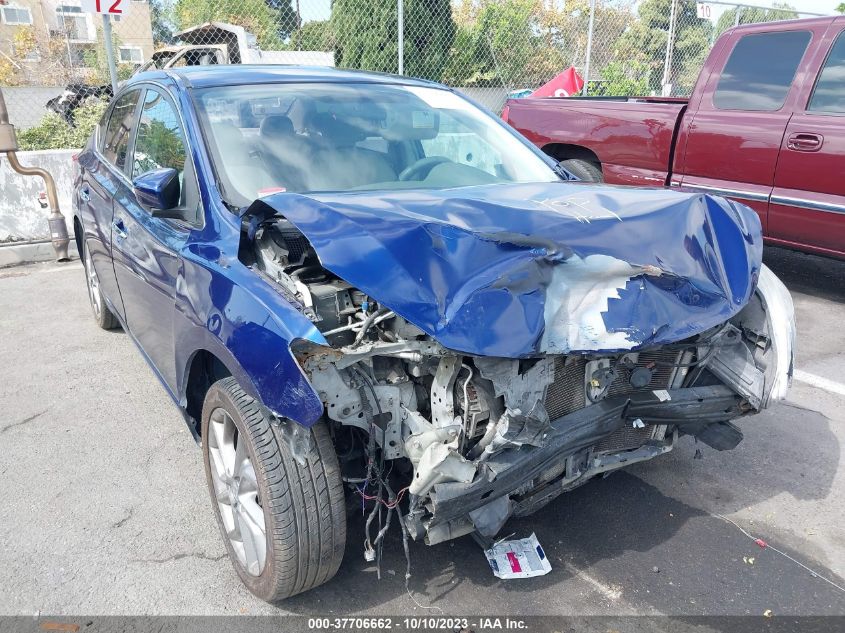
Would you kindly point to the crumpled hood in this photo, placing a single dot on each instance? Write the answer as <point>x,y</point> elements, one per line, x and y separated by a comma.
<point>519,269</point>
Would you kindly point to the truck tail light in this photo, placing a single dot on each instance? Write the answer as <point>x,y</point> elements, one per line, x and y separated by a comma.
<point>505,112</point>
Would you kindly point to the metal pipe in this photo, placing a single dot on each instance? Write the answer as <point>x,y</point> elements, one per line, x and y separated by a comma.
<point>109,44</point>
<point>56,221</point>
<point>589,47</point>
<point>400,27</point>
<point>667,60</point>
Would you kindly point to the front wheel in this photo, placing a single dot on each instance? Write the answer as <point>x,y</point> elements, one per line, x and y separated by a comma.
<point>283,523</point>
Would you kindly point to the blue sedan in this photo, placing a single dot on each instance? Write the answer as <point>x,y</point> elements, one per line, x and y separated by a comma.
<point>365,288</point>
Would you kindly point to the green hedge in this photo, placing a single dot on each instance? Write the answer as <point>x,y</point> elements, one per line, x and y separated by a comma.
<point>54,133</point>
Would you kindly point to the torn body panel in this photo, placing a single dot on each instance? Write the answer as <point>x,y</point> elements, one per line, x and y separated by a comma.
<point>522,269</point>
<point>496,370</point>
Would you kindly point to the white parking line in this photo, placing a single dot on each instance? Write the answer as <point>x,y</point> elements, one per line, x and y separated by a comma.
<point>820,382</point>
<point>608,591</point>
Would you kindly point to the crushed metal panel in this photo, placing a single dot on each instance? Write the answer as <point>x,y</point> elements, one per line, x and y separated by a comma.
<point>525,268</point>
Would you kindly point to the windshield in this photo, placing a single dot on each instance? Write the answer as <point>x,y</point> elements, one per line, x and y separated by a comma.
<point>306,138</point>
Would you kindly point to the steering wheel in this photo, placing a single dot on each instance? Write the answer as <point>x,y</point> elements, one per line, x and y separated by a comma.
<point>421,168</point>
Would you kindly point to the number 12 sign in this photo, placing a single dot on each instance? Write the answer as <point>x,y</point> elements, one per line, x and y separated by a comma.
<point>109,7</point>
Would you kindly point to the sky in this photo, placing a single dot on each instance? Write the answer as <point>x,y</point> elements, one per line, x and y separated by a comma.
<point>816,6</point>
<point>319,9</point>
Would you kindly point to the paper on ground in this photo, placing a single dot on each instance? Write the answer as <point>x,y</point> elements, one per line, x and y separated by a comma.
<point>523,558</point>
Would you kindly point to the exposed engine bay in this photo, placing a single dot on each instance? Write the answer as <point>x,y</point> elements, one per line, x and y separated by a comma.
<point>470,441</point>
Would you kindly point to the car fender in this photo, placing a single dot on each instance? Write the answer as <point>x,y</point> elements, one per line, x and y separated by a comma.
<point>229,311</point>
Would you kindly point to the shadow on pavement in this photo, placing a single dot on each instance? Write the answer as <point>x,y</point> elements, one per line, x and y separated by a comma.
<point>809,274</point>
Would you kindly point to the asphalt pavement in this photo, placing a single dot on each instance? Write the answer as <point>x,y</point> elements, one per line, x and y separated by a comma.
<point>105,509</point>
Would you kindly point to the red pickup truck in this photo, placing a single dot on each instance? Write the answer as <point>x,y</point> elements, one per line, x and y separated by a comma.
<point>765,125</point>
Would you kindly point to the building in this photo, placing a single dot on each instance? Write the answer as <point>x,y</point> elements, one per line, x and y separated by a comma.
<point>46,42</point>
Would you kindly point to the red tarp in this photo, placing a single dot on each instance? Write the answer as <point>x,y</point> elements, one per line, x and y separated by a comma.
<point>566,84</point>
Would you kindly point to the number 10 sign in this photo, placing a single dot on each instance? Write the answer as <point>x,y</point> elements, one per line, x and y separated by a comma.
<point>108,7</point>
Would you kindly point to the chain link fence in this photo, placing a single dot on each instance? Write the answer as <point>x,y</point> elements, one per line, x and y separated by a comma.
<point>487,48</point>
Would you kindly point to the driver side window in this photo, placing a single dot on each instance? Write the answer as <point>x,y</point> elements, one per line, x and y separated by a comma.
<point>160,141</point>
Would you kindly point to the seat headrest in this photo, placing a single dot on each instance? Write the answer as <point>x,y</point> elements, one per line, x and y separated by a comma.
<point>228,136</point>
<point>334,131</point>
<point>275,126</point>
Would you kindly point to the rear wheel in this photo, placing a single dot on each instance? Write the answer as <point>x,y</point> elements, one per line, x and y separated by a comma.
<point>585,170</point>
<point>102,315</point>
<point>283,523</point>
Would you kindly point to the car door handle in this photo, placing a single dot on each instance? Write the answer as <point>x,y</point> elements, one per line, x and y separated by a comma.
<point>805,142</point>
<point>84,193</point>
<point>119,229</point>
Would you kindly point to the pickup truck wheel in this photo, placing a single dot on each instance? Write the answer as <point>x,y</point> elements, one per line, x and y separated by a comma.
<point>102,315</point>
<point>283,523</point>
<point>586,171</point>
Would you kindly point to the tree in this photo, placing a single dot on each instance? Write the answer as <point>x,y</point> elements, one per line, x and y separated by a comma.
<point>841,7</point>
<point>97,60</point>
<point>752,15</point>
<point>621,79</point>
<point>524,43</point>
<point>161,20</point>
<point>314,36</point>
<point>256,16</point>
<point>647,39</point>
<point>287,19</point>
<point>366,36</point>
<point>53,65</point>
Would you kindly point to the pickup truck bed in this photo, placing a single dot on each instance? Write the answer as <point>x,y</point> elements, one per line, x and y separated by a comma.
<point>634,136</point>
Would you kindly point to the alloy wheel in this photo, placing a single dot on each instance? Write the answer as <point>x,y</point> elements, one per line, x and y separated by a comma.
<point>236,492</point>
<point>93,285</point>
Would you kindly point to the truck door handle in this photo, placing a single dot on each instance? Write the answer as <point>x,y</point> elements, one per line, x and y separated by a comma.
<point>805,142</point>
<point>119,229</point>
<point>84,193</point>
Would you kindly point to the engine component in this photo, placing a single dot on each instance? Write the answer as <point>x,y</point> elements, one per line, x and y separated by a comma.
<point>332,303</point>
<point>640,377</point>
<point>468,441</point>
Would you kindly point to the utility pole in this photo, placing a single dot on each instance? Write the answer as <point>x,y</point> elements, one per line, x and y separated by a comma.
<point>667,62</point>
<point>400,26</point>
<point>298,26</point>
<point>109,42</point>
<point>589,47</point>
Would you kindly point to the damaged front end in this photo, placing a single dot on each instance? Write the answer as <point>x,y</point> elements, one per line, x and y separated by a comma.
<point>472,438</point>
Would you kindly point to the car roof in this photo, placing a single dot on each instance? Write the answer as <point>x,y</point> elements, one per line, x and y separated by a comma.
<point>786,25</point>
<point>239,74</point>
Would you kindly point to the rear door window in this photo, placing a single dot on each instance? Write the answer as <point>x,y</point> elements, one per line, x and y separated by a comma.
<point>760,70</point>
<point>116,141</point>
<point>829,93</point>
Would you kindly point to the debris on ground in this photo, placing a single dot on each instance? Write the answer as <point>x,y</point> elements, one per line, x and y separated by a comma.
<point>522,558</point>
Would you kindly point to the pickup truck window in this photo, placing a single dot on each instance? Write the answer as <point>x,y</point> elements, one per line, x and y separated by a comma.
<point>829,93</point>
<point>760,71</point>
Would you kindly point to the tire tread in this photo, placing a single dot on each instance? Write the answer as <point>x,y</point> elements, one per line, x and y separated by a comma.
<point>307,531</point>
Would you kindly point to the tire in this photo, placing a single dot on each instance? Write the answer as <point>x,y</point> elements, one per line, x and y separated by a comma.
<point>586,171</point>
<point>302,507</point>
<point>104,317</point>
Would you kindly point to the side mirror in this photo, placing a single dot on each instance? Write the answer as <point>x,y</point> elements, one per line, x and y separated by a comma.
<point>158,192</point>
